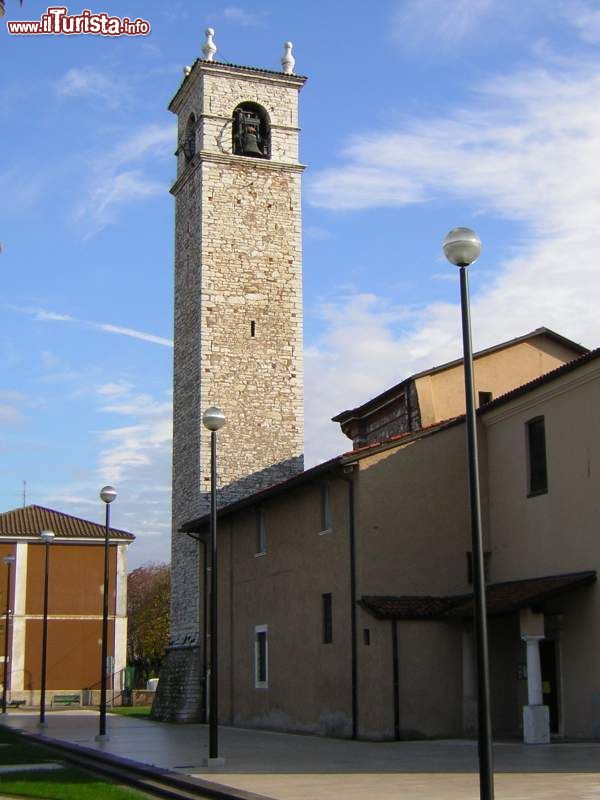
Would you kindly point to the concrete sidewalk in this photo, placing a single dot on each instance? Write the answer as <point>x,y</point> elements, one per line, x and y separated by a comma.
<point>292,767</point>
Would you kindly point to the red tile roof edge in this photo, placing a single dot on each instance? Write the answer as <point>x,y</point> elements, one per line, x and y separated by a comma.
<point>457,607</point>
<point>118,532</point>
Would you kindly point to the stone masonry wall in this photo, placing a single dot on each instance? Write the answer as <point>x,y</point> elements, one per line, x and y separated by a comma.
<point>238,328</point>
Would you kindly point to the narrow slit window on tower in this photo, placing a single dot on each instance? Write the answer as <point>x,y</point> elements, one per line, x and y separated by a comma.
<point>189,139</point>
<point>253,328</point>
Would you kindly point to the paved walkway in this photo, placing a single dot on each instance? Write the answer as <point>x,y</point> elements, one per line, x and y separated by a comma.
<point>291,767</point>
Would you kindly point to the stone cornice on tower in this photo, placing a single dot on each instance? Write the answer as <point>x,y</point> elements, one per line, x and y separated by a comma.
<point>226,158</point>
<point>202,67</point>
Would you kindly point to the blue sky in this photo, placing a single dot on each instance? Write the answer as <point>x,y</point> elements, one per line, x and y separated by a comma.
<point>419,115</point>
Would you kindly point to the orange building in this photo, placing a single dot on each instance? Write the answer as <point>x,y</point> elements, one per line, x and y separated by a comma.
<point>75,589</point>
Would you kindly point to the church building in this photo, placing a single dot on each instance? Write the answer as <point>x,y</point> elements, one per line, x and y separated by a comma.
<point>345,596</point>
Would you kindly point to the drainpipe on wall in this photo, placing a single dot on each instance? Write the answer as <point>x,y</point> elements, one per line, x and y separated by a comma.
<point>202,540</point>
<point>396,674</point>
<point>204,634</point>
<point>349,478</point>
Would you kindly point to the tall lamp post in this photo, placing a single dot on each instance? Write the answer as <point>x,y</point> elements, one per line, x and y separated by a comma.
<point>47,538</point>
<point>462,247</point>
<point>107,495</point>
<point>9,561</point>
<point>213,419</point>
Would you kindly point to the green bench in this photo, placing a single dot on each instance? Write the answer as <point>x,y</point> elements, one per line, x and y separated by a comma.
<point>66,700</point>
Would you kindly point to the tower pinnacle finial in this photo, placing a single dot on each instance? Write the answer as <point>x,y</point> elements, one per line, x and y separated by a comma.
<point>209,48</point>
<point>288,61</point>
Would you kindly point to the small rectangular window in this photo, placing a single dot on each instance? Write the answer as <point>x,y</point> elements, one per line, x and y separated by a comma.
<point>367,636</point>
<point>485,397</point>
<point>261,656</point>
<point>536,456</point>
<point>261,532</point>
<point>327,619</point>
<point>325,507</point>
<point>253,328</point>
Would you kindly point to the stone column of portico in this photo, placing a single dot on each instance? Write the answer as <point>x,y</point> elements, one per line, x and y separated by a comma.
<point>536,716</point>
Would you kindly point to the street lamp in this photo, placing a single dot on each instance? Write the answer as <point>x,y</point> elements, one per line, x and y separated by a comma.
<point>47,538</point>
<point>462,247</point>
<point>9,561</point>
<point>107,495</point>
<point>213,419</point>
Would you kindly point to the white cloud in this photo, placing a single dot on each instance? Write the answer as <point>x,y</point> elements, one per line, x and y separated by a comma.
<point>10,415</point>
<point>584,17</point>
<point>90,82</point>
<point>120,176</point>
<point>113,389</point>
<point>316,233</point>
<point>43,315</point>
<point>446,22</point>
<point>247,19</point>
<point>145,337</point>
<point>136,459</point>
<point>524,149</point>
<point>110,193</point>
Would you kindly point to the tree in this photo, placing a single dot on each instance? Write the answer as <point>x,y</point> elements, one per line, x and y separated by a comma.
<point>148,595</point>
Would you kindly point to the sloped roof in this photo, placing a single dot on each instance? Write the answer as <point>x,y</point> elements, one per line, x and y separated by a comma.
<point>501,598</point>
<point>351,456</point>
<point>32,520</point>
<point>390,394</point>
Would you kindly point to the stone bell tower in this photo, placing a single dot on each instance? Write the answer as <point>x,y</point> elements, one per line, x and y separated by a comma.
<point>238,315</point>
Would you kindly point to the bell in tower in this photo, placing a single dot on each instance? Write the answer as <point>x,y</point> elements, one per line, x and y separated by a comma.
<point>251,131</point>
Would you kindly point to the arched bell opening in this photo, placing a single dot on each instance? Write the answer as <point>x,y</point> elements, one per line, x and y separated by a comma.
<point>188,143</point>
<point>251,131</point>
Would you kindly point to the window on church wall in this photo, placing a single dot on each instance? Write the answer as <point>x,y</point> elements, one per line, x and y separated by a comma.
<point>189,139</point>
<point>261,532</point>
<point>261,657</point>
<point>251,131</point>
<point>327,612</point>
<point>326,523</point>
<point>536,457</point>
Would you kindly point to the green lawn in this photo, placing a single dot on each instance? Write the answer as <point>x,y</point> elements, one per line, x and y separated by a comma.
<point>140,712</point>
<point>63,784</point>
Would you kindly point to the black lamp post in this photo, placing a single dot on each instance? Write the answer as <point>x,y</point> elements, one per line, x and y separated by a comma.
<point>47,537</point>
<point>462,247</point>
<point>107,495</point>
<point>9,561</point>
<point>213,419</point>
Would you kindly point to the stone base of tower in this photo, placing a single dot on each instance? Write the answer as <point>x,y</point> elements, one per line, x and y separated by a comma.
<point>180,692</point>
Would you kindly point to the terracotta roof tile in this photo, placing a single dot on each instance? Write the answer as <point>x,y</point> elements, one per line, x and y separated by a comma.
<point>32,520</point>
<point>501,598</point>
